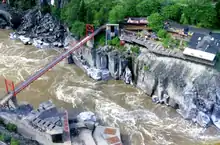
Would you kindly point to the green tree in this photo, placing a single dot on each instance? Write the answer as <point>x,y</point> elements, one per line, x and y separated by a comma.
<point>166,42</point>
<point>162,33</point>
<point>116,14</point>
<point>130,7</point>
<point>11,127</point>
<point>200,13</point>
<point>2,137</point>
<point>217,9</point>
<point>69,12</point>
<point>14,142</point>
<point>82,11</point>
<point>135,49</point>
<point>172,12</point>
<point>147,7</point>
<point>156,21</point>
<point>78,28</point>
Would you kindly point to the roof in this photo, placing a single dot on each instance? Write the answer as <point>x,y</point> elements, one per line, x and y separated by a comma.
<point>47,118</point>
<point>136,20</point>
<point>206,43</point>
<point>189,28</point>
<point>107,136</point>
<point>199,54</point>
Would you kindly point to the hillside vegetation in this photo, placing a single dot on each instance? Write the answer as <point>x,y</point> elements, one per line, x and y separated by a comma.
<point>201,13</point>
<point>76,13</point>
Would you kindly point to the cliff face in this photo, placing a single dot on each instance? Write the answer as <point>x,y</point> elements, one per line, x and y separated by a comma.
<point>193,89</point>
<point>119,64</point>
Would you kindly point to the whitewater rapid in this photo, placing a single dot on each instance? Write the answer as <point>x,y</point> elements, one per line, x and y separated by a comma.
<point>117,104</point>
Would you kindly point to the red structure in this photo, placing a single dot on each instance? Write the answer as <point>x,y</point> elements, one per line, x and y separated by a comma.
<point>122,43</point>
<point>89,29</point>
<point>3,1</point>
<point>9,86</point>
<point>58,59</point>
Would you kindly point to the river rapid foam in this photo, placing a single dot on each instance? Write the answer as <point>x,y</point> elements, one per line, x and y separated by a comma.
<point>116,104</point>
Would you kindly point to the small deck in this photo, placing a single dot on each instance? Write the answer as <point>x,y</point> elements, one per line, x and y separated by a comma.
<point>157,48</point>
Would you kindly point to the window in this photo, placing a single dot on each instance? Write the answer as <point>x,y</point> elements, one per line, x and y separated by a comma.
<point>57,138</point>
<point>112,29</point>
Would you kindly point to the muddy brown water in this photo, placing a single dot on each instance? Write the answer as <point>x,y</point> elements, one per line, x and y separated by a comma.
<point>117,104</point>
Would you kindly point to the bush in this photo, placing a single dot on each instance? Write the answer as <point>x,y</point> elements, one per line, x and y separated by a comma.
<point>162,33</point>
<point>114,42</point>
<point>166,42</point>
<point>2,137</point>
<point>100,39</point>
<point>14,142</point>
<point>78,28</point>
<point>55,11</point>
<point>11,127</point>
<point>135,49</point>
<point>7,138</point>
<point>121,48</point>
<point>146,68</point>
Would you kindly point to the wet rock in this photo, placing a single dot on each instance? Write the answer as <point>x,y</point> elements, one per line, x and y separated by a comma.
<point>203,119</point>
<point>189,113</point>
<point>155,99</point>
<point>164,98</point>
<point>215,117</point>
<point>44,28</point>
<point>3,23</point>
<point>113,64</point>
<point>147,82</point>
<point>172,103</point>
<point>127,76</point>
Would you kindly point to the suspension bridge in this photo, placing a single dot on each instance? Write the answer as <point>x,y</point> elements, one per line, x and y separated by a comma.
<point>12,90</point>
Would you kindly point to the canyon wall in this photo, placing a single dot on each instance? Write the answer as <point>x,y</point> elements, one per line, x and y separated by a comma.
<point>192,89</point>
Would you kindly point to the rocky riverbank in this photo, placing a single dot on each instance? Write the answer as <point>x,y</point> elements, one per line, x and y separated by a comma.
<point>9,17</point>
<point>192,89</point>
<point>40,30</point>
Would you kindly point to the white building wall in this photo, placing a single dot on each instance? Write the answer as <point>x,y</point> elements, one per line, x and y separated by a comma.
<point>199,54</point>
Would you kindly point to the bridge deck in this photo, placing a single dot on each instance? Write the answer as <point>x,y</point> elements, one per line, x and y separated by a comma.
<point>42,71</point>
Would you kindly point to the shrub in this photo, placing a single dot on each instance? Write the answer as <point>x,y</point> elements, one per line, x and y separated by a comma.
<point>11,127</point>
<point>162,33</point>
<point>135,49</point>
<point>2,137</point>
<point>14,142</point>
<point>121,48</point>
<point>146,68</point>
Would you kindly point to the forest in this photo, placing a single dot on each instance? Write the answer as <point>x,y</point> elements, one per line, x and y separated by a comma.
<point>201,13</point>
<point>76,13</point>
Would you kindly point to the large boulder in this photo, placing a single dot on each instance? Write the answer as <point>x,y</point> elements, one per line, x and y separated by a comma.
<point>9,17</point>
<point>43,28</point>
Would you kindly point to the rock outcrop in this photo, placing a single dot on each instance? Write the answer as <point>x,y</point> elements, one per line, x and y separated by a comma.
<point>41,30</point>
<point>192,89</point>
<point>9,17</point>
<point>119,64</point>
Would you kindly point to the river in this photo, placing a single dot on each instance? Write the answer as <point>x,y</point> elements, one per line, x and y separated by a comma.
<point>117,104</point>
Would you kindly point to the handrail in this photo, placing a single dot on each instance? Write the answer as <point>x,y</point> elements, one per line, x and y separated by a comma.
<point>42,71</point>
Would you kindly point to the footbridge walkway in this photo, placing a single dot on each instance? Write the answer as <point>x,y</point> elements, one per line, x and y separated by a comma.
<point>15,90</point>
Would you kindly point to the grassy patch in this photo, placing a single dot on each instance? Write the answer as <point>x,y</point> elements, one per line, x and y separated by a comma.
<point>11,127</point>
<point>135,49</point>
<point>146,68</point>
